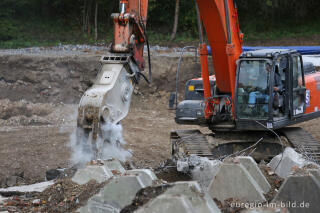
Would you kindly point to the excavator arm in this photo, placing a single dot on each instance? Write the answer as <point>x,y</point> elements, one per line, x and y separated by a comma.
<point>108,100</point>
<point>220,20</point>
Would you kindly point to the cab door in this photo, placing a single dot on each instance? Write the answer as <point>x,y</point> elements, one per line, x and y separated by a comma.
<point>298,89</point>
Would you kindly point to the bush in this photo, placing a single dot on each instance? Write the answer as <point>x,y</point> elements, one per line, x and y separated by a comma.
<point>8,30</point>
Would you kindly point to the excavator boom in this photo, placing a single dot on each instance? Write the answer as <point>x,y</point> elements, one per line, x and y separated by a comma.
<point>220,19</point>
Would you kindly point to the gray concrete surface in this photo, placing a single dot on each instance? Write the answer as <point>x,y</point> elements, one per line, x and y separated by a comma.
<point>117,194</point>
<point>300,194</point>
<point>205,172</point>
<point>234,181</point>
<point>92,172</point>
<point>114,165</point>
<point>252,167</point>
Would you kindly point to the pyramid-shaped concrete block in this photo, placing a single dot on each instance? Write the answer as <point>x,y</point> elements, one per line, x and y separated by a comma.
<point>146,175</point>
<point>300,194</point>
<point>117,194</point>
<point>234,181</point>
<point>283,163</point>
<point>252,167</point>
<point>114,166</point>
<point>167,204</point>
<point>100,173</point>
<point>181,197</point>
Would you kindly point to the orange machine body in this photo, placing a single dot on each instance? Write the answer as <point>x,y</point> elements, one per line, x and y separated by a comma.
<point>312,82</point>
<point>220,19</point>
<point>129,28</point>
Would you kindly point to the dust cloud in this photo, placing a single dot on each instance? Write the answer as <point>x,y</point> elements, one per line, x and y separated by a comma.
<point>109,143</point>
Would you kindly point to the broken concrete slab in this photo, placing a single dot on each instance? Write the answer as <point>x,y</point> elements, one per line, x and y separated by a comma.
<point>234,181</point>
<point>118,193</point>
<point>100,173</point>
<point>252,167</point>
<point>38,187</point>
<point>283,163</point>
<point>2,199</point>
<point>114,166</point>
<point>205,172</point>
<point>146,175</point>
<point>181,197</point>
<point>300,194</point>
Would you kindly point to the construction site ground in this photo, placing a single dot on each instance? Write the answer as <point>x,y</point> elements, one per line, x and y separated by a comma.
<point>38,109</point>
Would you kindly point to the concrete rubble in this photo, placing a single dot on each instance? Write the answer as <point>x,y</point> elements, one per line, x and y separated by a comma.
<point>283,163</point>
<point>98,171</point>
<point>121,189</point>
<point>204,172</point>
<point>216,184</point>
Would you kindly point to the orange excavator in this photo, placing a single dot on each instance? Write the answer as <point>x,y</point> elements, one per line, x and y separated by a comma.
<point>247,104</point>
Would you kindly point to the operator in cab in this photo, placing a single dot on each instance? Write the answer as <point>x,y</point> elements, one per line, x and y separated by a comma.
<point>254,88</point>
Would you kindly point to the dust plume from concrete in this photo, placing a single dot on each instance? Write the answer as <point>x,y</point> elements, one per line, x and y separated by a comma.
<point>109,143</point>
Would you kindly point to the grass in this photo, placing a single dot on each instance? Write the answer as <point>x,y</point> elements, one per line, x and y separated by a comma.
<point>52,33</point>
<point>258,31</point>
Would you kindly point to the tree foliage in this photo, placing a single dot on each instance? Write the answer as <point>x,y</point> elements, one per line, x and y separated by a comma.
<point>254,15</point>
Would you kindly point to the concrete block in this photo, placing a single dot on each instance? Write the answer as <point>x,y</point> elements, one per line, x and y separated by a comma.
<point>282,164</point>
<point>315,173</point>
<point>205,172</point>
<point>252,167</point>
<point>38,187</point>
<point>2,199</point>
<point>92,172</point>
<point>234,181</point>
<point>146,175</point>
<point>300,194</point>
<point>118,193</point>
<point>167,204</point>
<point>181,197</point>
<point>114,166</point>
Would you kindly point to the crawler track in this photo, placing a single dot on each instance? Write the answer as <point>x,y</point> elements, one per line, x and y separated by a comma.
<point>303,142</point>
<point>220,145</point>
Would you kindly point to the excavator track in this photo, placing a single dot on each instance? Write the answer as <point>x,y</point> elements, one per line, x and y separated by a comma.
<point>219,145</point>
<point>189,142</point>
<point>303,142</point>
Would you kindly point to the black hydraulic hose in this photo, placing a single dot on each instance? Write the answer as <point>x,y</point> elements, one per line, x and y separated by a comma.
<point>144,77</point>
<point>149,56</point>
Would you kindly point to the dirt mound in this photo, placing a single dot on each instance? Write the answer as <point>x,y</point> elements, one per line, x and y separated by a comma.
<point>55,79</point>
<point>24,113</point>
<point>63,196</point>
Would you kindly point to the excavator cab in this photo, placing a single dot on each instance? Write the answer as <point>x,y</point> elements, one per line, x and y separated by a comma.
<point>269,89</point>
